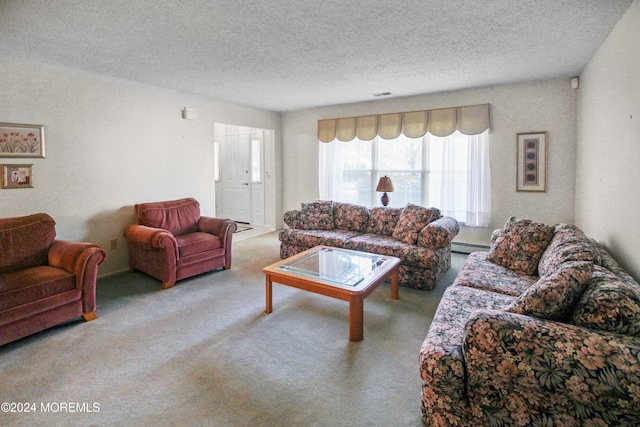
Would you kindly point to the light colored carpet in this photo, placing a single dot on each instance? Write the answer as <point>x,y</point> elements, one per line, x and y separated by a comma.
<point>205,353</point>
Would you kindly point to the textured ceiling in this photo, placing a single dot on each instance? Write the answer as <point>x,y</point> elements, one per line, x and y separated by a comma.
<point>283,55</point>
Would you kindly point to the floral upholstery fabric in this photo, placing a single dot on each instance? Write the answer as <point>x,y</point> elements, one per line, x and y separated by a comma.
<point>478,273</point>
<point>569,243</point>
<point>421,265</point>
<point>383,220</point>
<point>482,365</point>
<point>347,216</point>
<point>310,238</point>
<point>520,245</point>
<point>609,304</point>
<point>553,296</point>
<point>438,233</point>
<point>412,220</point>
<point>410,254</point>
<point>442,364</point>
<point>317,215</point>
<point>528,372</point>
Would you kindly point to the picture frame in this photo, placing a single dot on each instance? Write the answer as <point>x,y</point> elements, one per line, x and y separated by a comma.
<point>531,161</point>
<point>21,141</point>
<point>17,176</point>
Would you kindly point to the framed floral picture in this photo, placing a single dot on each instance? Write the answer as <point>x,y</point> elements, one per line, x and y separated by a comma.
<point>17,176</point>
<point>18,140</point>
<point>531,160</point>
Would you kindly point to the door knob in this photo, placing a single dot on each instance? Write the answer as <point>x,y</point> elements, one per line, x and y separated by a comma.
<point>245,183</point>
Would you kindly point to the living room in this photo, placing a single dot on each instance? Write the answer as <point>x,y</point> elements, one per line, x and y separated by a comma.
<point>113,142</point>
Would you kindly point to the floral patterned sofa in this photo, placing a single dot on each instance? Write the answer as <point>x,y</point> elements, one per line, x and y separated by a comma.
<point>543,330</point>
<point>420,237</point>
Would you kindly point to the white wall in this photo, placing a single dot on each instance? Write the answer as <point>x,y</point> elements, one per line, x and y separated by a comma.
<point>110,144</point>
<point>607,195</point>
<point>537,106</point>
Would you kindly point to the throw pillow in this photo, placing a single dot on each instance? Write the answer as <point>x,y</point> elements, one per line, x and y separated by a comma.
<point>317,215</point>
<point>520,245</point>
<point>552,297</point>
<point>413,219</point>
<point>609,304</point>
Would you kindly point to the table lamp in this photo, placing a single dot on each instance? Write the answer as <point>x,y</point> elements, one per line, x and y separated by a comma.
<point>386,186</point>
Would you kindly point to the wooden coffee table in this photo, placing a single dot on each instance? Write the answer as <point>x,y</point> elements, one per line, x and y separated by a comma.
<point>339,273</point>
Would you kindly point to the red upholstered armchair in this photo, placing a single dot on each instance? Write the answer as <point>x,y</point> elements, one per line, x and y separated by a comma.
<point>43,281</point>
<point>171,241</point>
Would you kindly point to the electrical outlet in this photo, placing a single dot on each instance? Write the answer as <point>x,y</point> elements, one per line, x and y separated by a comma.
<point>114,244</point>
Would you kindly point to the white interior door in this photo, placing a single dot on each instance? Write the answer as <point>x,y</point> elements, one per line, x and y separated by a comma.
<point>236,179</point>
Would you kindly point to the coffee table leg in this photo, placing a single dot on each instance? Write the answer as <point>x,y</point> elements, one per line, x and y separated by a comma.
<point>394,284</point>
<point>356,323</point>
<point>269,286</point>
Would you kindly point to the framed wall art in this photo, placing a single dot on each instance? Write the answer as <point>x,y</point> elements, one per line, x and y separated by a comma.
<point>18,140</point>
<point>17,176</point>
<point>532,161</point>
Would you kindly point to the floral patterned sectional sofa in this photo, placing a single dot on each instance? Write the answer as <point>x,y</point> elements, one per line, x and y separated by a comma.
<point>420,237</point>
<point>543,330</point>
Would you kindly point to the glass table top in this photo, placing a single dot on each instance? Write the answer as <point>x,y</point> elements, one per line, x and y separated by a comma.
<point>335,265</point>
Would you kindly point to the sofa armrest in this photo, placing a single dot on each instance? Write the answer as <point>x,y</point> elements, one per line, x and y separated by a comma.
<point>293,219</point>
<point>149,236</point>
<point>73,256</point>
<point>522,369</point>
<point>81,259</point>
<point>438,233</point>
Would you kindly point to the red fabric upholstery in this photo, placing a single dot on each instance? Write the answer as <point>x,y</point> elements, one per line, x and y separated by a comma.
<point>171,241</point>
<point>43,281</point>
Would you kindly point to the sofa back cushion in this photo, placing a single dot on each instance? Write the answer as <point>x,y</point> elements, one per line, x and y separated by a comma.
<point>520,244</point>
<point>25,241</point>
<point>553,297</point>
<point>609,304</point>
<point>412,220</point>
<point>177,216</point>
<point>317,215</point>
<point>347,216</point>
<point>569,243</point>
<point>383,220</point>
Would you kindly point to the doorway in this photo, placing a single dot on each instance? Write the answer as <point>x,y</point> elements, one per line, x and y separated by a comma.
<point>244,164</point>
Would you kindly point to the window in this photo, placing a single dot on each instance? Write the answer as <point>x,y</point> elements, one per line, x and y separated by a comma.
<point>451,173</point>
<point>256,160</point>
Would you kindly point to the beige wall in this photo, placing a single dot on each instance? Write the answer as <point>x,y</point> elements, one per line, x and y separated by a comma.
<point>110,144</point>
<point>608,157</point>
<point>538,106</point>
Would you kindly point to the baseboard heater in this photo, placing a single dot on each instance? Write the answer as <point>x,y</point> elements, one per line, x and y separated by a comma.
<point>467,248</point>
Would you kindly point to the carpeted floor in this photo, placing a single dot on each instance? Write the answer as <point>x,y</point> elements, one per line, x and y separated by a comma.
<point>204,353</point>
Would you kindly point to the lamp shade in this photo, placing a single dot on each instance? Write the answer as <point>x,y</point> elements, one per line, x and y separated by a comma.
<point>385,185</point>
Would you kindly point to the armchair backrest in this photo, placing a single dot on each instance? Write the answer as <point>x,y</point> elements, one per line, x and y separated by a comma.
<point>176,216</point>
<point>25,241</point>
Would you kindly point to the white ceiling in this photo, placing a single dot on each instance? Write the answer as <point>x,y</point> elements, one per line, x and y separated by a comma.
<point>283,55</point>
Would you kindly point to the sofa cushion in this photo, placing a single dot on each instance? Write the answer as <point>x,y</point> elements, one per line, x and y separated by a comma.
<point>347,216</point>
<point>553,297</point>
<point>310,238</point>
<point>569,243</point>
<point>383,220</point>
<point>25,241</point>
<point>520,245</point>
<point>385,245</point>
<point>177,216</point>
<point>412,220</point>
<point>317,215</point>
<point>479,273</point>
<point>609,304</point>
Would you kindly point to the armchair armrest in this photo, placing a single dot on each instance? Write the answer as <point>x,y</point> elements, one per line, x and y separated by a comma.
<point>217,226</point>
<point>521,369</point>
<point>154,237</point>
<point>438,233</point>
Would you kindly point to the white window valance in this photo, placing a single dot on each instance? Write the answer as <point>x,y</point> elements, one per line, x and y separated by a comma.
<point>469,120</point>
